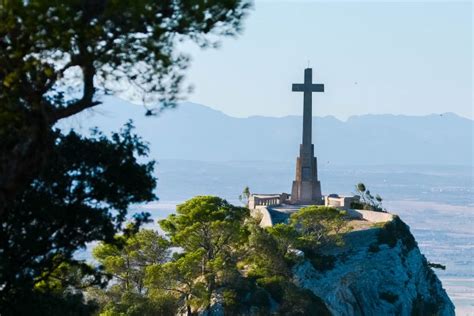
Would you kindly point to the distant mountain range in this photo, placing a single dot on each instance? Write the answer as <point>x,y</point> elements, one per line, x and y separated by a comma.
<point>196,132</point>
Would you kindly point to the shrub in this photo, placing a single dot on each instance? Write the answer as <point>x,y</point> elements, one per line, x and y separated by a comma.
<point>394,231</point>
<point>259,298</point>
<point>368,201</point>
<point>275,285</point>
<point>436,266</point>
<point>357,205</point>
<point>230,300</point>
<point>302,302</point>
<point>321,262</point>
<point>319,226</point>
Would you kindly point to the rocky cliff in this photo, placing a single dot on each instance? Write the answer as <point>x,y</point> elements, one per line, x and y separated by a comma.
<point>379,271</point>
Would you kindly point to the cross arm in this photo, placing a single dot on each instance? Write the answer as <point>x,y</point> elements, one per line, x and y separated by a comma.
<point>301,87</point>
<point>298,87</point>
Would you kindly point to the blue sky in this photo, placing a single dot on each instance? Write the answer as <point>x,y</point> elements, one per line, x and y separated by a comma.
<point>409,58</point>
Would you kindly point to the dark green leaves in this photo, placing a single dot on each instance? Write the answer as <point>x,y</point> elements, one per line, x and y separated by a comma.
<point>82,196</point>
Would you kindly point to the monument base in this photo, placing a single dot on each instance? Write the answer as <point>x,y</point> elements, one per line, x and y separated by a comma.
<point>306,188</point>
<point>306,192</point>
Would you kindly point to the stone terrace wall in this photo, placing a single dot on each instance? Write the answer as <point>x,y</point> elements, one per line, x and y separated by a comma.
<point>371,216</point>
<point>374,217</point>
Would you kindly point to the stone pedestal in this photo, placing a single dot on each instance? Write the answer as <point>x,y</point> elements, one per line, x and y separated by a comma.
<point>306,187</point>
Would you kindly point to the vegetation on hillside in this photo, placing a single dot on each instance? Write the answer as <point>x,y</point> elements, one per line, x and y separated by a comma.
<point>215,256</point>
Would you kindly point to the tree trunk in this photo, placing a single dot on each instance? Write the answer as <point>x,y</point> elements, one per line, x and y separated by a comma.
<point>211,284</point>
<point>188,307</point>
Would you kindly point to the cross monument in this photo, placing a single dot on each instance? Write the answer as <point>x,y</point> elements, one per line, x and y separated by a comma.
<point>306,187</point>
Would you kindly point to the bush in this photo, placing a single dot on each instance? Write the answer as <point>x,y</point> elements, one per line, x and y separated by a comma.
<point>319,226</point>
<point>436,266</point>
<point>275,285</point>
<point>230,300</point>
<point>368,201</point>
<point>302,302</point>
<point>259,298</point>
<point>321,262</point>
<point>292,299</point>
<point>394,231</point>
<point>357,205</point>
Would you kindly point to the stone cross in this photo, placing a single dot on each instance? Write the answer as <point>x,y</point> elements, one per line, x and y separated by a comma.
<point>306,187</point>
<point>308,87</point>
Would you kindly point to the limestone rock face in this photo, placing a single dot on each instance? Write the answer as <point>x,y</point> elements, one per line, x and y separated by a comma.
<point>379,271</point>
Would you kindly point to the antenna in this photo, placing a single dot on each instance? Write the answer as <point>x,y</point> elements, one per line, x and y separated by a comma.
<point>308,63</point>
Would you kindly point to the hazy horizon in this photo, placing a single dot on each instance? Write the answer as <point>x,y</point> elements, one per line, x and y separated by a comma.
<point>204,134</point>
<point>216,108</point>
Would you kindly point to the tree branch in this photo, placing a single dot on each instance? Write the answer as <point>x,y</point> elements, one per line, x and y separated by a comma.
<point>85,102</point>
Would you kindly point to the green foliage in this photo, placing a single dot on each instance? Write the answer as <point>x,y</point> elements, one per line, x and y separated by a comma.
<point>259,298</point>
<point>275,285</point>
<point>319,226</point>
<point>286,238</point>
<point>67,303</point>
<point>311,228</point>
<point>222,255</point>
<point>360,187</point>
<point>59,280</point>
<point>368,201</point>
<point>230,299</point>
<point>292,300</point>
<point>358,205</point>
<point>183,278</point>
<point>132,43</point>
<point>205,222</point>
<point>211,232</point>
<point>244,197</point>
<point>298,301</point>
<point>271,257</point>
<point>57,58</point>
<point>394,231</point>
<point>82,196</point>
<point>127,261</point>
<point>133,304</point>
<point>321,262</point>
<point>59,192</point>
<point>379,225</point>
<point>266,257</point>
